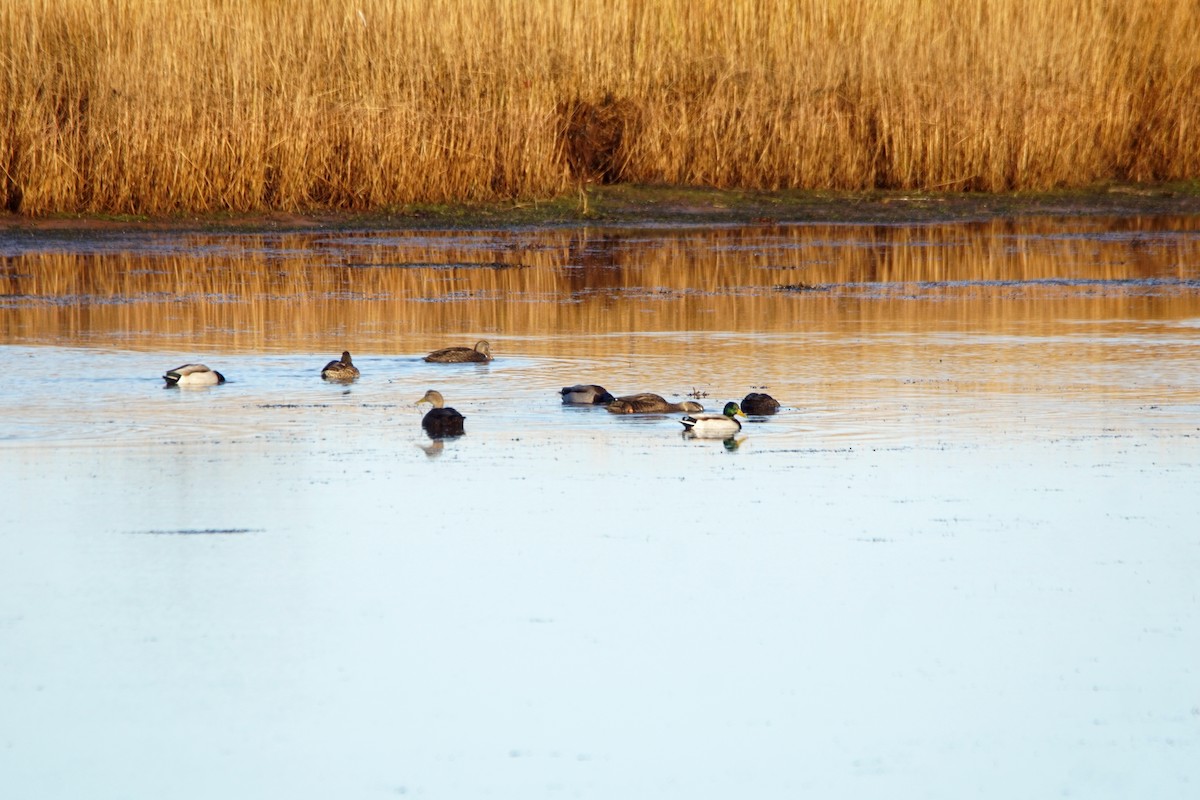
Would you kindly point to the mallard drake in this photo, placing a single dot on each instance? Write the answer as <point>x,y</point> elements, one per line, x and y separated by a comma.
<point>340,370</point>
<point>716,426</point>
<point>759,404</point>
<point>481,353</point>
<point>440,421</point>
<point>649,403</point>
<point>193,375</point>
<point>586,394</point>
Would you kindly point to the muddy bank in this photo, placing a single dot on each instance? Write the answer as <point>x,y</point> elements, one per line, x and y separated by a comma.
<point>629,204</point>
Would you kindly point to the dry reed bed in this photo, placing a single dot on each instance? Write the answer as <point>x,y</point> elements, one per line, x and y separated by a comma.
<point>152,106</point>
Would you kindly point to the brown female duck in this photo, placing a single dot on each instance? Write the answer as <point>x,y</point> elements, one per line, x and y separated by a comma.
<point>341,370</point>
<point>481,353</point>
<point>649,403</point>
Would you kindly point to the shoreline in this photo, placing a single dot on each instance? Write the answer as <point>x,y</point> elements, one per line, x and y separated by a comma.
<point>635,205</point>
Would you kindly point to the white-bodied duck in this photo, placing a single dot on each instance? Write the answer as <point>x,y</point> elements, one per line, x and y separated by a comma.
<point>714,426</point>
<point>193,375</point>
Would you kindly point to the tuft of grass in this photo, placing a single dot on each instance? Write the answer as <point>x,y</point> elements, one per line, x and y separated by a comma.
<point>152,107</point>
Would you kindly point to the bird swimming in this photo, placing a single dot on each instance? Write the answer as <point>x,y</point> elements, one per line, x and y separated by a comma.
<point>587,394</point>
<point>759,404</point>
<point>650,403</point>
<point>342,369</point>
<point>481,353</point>
<point>714,426</point>
<point>440,421</point>
<point>193,375</point>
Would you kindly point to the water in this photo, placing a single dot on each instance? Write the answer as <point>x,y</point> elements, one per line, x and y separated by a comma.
<point>960,562</point>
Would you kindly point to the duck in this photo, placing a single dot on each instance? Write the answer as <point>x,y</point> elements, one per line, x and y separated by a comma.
<point>715,426</point>
<point>193,375</point>
<point>586,394</point>
<point>340,370</point>
<point>481,353</point>
<point>649,403</point>
<point>440,421</point>
<point>759,404</point>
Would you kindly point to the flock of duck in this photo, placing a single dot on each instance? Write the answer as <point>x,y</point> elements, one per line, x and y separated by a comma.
<point>442,421</point>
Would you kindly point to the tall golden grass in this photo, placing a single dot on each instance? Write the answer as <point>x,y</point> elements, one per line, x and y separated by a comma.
<point>153,106</point>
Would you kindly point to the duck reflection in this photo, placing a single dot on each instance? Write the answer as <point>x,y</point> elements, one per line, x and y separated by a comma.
<point>434,448</point>
<point>730,443</point>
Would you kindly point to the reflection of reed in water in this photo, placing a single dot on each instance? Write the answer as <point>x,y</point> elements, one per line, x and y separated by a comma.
<point>403,292</point>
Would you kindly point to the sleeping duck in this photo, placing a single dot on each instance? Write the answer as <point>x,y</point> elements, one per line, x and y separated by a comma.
<point>440,421</point>
<point>649,403</point>
<point>759,404</point>
<point>714,426</point>
<point>341,370</point>
<point>481,353</point>
<point>586,394</point>
<point>193,375</point>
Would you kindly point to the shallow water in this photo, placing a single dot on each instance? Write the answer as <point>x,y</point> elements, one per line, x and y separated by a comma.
<point>961,561</point>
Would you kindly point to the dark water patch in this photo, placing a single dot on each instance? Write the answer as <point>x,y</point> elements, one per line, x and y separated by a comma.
<point>198,531</point>
<point>441,266</point>
<point>1129,237</point>
<point>805,287</point>
<point>906,289</point>
<point>1101,283</point>
<point>461,296</point>
<point>293,405</point>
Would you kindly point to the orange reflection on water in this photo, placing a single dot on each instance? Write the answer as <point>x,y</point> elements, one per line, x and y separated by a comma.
<point>406,292</point>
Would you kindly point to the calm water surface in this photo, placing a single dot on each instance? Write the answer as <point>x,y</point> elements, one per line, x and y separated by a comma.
<point>962,561</point>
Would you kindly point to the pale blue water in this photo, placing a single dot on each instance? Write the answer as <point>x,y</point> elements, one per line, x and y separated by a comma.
<point>926,589</point>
